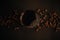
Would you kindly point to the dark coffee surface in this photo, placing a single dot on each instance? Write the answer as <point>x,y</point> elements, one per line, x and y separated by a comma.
<point>28,17</point>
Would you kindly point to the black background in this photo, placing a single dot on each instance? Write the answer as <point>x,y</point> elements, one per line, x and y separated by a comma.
<point>29,4</point>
